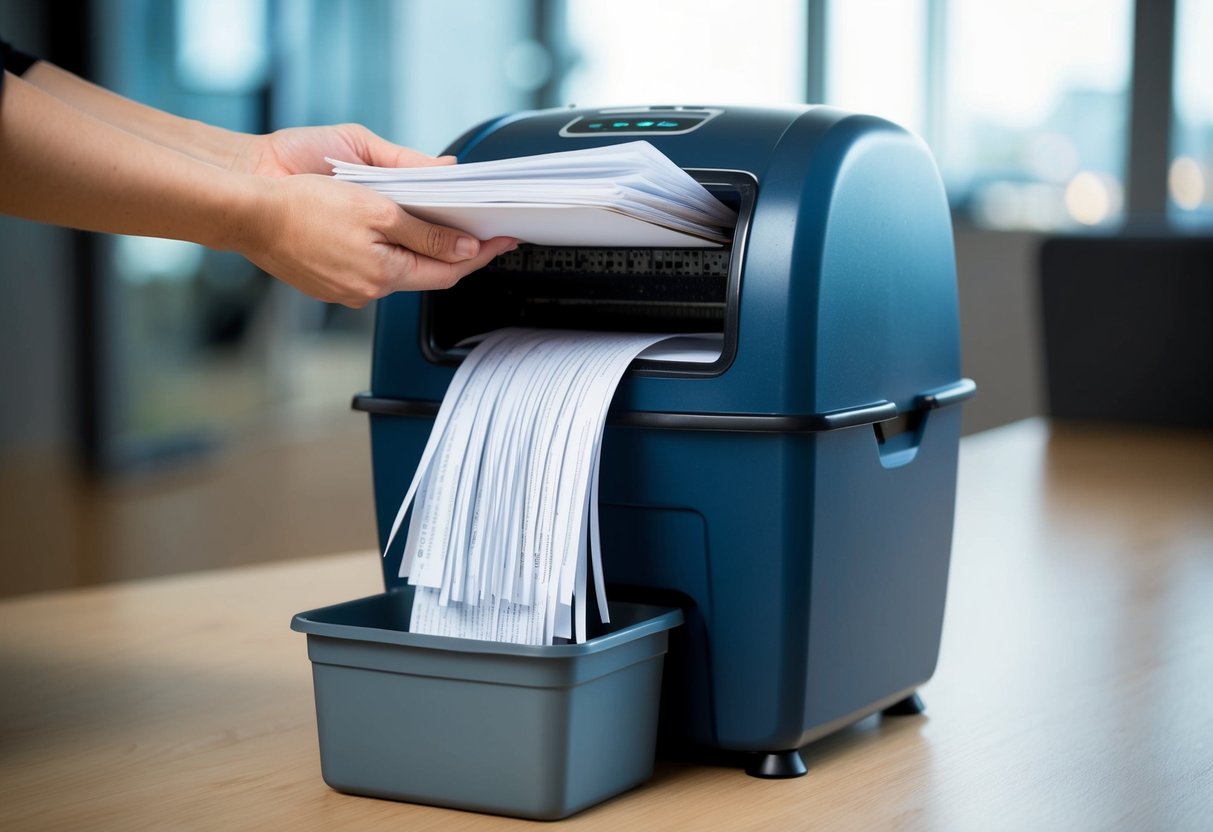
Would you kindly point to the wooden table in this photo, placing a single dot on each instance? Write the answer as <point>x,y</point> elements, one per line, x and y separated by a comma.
<point>1074,690</point>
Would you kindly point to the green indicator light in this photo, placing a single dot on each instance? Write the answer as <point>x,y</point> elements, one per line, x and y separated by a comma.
<point>596,125</point>
<point>644,124</point>
<point>621,124</point>
<point>667,124</point>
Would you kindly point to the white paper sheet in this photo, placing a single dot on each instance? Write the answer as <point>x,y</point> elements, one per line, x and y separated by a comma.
<point>620,195</point>
<point>504,529</point>
<point>558,225</point>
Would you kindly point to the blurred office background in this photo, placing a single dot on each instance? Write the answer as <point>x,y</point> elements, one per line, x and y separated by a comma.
<point>168,408</point>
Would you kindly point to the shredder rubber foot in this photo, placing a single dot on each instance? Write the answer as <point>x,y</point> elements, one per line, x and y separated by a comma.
<point>777,765</point>
<point>910,706</point>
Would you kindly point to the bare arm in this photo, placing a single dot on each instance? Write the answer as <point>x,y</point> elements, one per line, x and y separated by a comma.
<point>332,240</point>
<point>282,153</point>
<point>204,142</point>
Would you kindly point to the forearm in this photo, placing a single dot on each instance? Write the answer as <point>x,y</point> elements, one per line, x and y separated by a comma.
<point>60,165</point>
<point>213,145</point>
<point>333,240</point>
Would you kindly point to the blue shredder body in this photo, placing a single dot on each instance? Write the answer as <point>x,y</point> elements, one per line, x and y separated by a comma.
<point>796,497</point>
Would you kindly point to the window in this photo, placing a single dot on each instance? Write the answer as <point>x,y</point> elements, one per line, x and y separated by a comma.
<point>632,52</point>
<point>876,59</point>
<point>1035,107</point>
<point>1025,105</point>
<point>1190,178</point>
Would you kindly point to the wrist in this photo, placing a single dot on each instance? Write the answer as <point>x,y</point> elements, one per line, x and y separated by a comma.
<point>246,153</point>
<point>244,214</point>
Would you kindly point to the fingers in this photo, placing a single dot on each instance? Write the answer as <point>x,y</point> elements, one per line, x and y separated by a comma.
<point>438,242</point>
<point>343,243</point>
<point>435,256</point>
<point>381,152</point>
<point>418,272</point>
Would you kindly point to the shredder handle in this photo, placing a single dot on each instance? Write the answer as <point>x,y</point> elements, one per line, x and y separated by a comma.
<point>898,438</point>
<point>960,391</point>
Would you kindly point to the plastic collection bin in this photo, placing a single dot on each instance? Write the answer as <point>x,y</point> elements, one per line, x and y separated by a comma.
<point>533,732</point>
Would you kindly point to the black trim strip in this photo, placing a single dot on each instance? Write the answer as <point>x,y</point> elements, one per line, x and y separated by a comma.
<point>758,423</point>
<point>380,406</point>
<point>849,417</point>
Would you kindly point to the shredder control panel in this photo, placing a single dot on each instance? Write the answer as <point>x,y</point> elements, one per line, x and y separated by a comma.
<point>641,121</point>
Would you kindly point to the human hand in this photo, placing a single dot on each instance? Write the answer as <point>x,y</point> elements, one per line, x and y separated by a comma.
<point>297,150</point>
<point>352,245</point>
<point>346,244</point>
<point>135,170</point>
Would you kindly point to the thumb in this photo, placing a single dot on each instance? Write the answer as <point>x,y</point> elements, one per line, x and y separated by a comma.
<point>382,153</point>
<point>438,242</point>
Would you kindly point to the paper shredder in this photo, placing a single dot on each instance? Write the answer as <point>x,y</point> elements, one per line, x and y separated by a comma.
<point>795,496</point>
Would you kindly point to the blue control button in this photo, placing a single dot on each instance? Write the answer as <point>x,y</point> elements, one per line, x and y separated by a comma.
<point>645,123</point>
<point>621,124</point>
<point>595,125</point>
<point>667,124</point>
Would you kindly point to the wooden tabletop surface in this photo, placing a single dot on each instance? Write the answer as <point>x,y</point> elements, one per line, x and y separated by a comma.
<point>1074,689</point>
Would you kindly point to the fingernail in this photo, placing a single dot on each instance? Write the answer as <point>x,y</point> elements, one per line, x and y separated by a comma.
<point>466,247</point>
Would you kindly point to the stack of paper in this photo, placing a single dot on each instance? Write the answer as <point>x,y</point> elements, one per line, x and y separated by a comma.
<point>621,195</point>
<point>505,502</point>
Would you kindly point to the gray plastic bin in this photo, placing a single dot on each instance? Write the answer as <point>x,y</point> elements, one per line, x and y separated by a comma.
<point>534,732</point>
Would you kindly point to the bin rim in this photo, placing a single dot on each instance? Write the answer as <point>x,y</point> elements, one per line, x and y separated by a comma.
<point>652,619</point>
